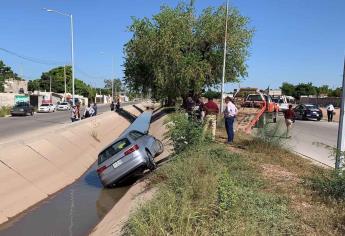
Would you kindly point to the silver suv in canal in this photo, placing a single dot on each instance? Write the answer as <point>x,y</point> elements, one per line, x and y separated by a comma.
<point>132,152</point>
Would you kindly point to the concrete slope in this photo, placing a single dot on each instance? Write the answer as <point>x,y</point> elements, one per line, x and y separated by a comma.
<point>34,168</point>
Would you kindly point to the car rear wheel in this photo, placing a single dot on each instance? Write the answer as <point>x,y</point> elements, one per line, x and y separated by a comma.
<point>160,147</point>
<point>152,164</point>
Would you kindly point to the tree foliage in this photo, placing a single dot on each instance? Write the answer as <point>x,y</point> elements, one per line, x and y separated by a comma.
<point>5,74</point>
<point>177,52</point>
<point>117,86</point>
<point>306,89</point>
<point>58,83</point>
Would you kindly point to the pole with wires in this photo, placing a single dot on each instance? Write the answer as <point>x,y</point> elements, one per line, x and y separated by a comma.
<point>339,160</point>
<point>224,56</point>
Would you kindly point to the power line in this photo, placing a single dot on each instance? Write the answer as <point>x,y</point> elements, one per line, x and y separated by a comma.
<point>32,59</point>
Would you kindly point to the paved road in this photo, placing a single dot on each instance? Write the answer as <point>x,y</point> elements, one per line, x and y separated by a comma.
<point>15,126</point>
<point>306,135</point>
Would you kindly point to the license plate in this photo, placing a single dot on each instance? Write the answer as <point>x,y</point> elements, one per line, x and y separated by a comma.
<point>117,164</point>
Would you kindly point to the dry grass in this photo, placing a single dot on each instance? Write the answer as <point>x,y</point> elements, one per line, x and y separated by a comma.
<point>249,188</point>
<point>287,175</point>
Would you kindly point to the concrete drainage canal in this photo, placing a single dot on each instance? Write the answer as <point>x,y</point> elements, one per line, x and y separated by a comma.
<point>75,210</point>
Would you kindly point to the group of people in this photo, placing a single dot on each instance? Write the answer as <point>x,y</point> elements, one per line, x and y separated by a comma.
<point>90,110</point>
<point>115,106</point>
<point>208,112</point>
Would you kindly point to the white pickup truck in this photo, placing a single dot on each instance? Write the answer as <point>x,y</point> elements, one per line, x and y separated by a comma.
<point>282,102</point>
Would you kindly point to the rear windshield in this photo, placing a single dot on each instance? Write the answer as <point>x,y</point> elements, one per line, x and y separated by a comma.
<point>312,106</point>
<point>44,105</point>
<point>112,150</point>
<point>64,103</point>
<point>22,104</point>
<point>254,98</point>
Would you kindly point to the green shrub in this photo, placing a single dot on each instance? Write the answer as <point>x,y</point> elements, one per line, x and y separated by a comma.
<point>4,111</point>
<point>183,132</point>
<point>329,185</point>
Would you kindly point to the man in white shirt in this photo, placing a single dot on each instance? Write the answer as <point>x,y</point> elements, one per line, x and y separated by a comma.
<point>230,113</point>
<point>330,112</point>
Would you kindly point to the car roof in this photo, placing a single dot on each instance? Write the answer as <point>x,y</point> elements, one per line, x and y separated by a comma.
<point>141,124</point>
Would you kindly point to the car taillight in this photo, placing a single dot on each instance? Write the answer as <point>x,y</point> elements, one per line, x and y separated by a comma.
<point>100,170</point>
<point>132,149</point>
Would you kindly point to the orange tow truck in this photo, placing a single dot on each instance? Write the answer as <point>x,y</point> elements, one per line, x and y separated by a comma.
<point>257,108</point>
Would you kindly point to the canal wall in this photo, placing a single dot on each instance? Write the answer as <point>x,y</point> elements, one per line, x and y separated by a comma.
<point>35,168</point>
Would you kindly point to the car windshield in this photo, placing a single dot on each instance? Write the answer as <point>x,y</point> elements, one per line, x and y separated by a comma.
<point>310,106</point>
<point>135,135</point>
<point>112,150</point>
<point>64,103</point>
<point>44,105</point>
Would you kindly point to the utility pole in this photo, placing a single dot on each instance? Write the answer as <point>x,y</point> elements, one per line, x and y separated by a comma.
<point>224,57</point>
<point>339,160</point>
<point>50,84</point>
<point>64,75</point>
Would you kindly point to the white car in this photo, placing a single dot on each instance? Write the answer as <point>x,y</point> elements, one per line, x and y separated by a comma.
<point>64,106</point>
<point>46,108</point>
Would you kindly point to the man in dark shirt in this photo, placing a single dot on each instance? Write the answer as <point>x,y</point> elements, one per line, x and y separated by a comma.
<point>289,116</point>
<point>211,109</point>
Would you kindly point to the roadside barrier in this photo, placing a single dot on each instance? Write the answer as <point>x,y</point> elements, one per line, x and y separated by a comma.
<point>33,169</point>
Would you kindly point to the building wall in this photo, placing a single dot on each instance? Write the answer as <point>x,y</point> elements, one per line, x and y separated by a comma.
<point>321,101</point>
<point>14,86</point>
<point>7,99</point>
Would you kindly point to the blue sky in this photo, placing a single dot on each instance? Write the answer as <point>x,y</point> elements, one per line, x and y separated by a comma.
<point>295,40</point>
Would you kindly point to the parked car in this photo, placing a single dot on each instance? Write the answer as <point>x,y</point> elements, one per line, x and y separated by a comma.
<point>308,112</point>
<point>23,109</point>
<point>46,108</point>
<point>132,153</point>
<point>64,106</point>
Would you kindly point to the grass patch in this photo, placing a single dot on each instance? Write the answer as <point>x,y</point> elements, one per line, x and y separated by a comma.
<point>254,187</point>
<point>209,191</point>
<point>5,111</point>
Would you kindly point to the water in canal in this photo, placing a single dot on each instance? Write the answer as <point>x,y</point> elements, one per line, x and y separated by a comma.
<point>76,210</point>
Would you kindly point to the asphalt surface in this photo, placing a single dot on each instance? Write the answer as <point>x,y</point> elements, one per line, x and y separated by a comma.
<point>15,126</point>
<point>311,138</point>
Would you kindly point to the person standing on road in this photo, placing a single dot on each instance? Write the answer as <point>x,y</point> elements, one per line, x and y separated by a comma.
<point>211,110</point>
<point>118,105</point>
<point>94,109</point>
<point>289,116</point>
<point>230,113</point>
<point>112,106</point>
<point>74,113</point>
<point>330,112</point>
<point>88,111</point>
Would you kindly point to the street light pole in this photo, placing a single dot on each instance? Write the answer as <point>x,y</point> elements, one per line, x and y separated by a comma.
<point>339,160</point>
<point>72,45</point>
<point>72,57</point>
<point>224,56</point>
<point>64,76</point>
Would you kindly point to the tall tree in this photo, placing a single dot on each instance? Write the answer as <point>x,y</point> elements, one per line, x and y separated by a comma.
<point>56,76</point>
<point>288,89</point>
<point>117,85</point>
<point>176,52</point>
<point>5,74</point>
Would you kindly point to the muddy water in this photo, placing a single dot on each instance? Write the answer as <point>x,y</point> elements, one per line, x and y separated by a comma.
<point>73,211</point>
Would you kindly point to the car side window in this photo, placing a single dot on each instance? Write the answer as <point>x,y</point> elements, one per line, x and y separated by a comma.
<point>135,135</point>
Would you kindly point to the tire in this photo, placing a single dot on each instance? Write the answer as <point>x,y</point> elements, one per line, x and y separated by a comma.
<point>161,147</point>
<point>151,162</point>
